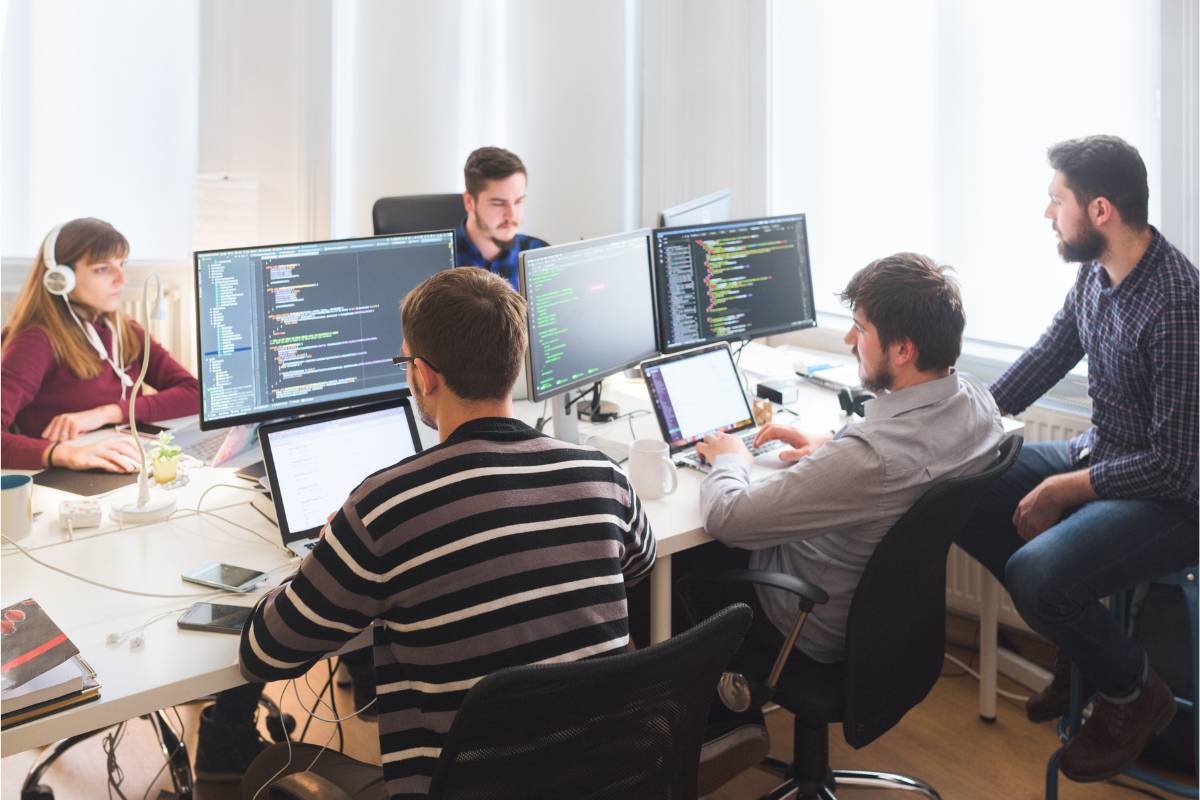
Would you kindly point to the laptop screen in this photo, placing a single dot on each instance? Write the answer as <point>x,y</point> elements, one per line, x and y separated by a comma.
<point>314,464</point>
<point>697,393</point>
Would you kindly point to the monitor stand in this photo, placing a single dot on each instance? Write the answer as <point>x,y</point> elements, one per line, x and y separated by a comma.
<point>597,410</point>
<point>566,424</point>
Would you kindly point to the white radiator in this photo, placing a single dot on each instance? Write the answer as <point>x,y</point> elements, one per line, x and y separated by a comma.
<point>963,573</point>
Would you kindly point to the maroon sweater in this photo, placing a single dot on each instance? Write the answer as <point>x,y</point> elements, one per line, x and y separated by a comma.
<point>35,388</point>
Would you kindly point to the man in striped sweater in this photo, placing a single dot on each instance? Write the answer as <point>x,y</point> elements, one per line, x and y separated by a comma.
<point>499,546</point>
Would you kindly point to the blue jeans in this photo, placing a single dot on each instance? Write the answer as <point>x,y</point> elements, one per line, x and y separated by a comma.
<point>1057,579</point>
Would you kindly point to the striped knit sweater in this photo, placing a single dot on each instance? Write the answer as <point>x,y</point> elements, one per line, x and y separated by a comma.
<point>498,547</point>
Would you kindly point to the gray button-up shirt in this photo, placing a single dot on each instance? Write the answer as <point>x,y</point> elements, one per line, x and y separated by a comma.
<point>822,518</point>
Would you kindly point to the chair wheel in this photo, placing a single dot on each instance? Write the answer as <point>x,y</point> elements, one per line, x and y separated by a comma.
<point>38,792</point>
<point>279,727</point>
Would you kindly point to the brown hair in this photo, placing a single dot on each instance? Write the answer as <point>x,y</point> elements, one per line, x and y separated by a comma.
<point>490,164</point>
<point>1105,166</point>
<point>469,325</point>
<point>85,240</point>
<point>908,296</point>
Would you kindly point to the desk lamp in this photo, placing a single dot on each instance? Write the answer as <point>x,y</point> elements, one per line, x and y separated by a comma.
<point>156,506</point>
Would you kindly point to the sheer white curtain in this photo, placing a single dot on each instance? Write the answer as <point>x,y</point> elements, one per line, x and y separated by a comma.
<point>99,119</point>
<point>924,125</point>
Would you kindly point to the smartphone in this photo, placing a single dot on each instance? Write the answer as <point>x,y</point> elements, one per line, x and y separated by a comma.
<point>215,617</point>
<point>144,429</point>
<point>225,576</point>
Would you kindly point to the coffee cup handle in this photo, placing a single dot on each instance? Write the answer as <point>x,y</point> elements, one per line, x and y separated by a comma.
<point>673,473</point>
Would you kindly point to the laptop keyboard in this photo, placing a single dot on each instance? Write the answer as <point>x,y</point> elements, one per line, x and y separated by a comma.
<point>693,458</point>
<point>206,448</point>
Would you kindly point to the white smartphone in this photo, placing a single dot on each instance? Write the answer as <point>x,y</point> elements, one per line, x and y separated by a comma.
<point>225,576</point>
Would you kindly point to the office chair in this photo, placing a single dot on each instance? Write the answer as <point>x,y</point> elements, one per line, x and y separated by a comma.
<point>895,640</point>
<point>1185,579</point>
<point>417,212</point>
<point>620,726</point>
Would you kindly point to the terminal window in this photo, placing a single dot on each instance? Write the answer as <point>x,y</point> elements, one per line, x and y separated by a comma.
<point>283,328</point>
<point>733,281</point>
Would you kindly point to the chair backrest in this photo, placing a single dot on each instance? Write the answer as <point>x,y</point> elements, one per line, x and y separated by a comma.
<point>896,629</point>
<point>417,212</point>
<point>628,725</point>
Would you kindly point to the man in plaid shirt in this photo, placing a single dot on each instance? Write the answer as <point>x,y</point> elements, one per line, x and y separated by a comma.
<point>1076,521</point>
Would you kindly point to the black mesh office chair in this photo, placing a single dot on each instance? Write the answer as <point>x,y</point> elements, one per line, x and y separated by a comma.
<point>628,725</point>
<point>895,638</point>
<point>417,212</point>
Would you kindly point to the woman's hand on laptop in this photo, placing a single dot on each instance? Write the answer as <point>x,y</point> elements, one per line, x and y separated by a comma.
<point>800,444</point>
<point>719,444</point>
<point>117,454</point>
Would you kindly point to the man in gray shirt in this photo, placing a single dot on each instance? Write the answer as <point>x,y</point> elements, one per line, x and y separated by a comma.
<point>822,519</point>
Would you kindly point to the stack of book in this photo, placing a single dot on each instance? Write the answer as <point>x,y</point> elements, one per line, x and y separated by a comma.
<point>42,671</point>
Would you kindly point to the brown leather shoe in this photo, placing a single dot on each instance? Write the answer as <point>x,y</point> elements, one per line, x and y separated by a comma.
<point>1112,739</point>
<point>1052,702</point>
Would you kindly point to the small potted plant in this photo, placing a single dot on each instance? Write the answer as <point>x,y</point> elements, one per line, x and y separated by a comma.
<point>165,458</point>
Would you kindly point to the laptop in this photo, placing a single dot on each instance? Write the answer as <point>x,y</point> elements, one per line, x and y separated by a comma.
<point>698,392</point>
<point>313,463</point>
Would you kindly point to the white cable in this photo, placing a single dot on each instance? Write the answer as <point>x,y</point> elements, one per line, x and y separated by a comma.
<point>335,720</point>
<point>287,764</point>
<point>1016,698</point>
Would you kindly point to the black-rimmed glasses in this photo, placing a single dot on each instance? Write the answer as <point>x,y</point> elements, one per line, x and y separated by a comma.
<point>403,361</point>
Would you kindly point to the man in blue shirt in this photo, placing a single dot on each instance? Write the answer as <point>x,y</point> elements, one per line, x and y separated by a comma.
<point>1074,522</point>
<point>495,202</point>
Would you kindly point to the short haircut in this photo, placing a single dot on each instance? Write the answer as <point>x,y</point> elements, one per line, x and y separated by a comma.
<point>490,164</point>
<point>469,325</point>
<point>1105,166</point>
<point>908,296</point>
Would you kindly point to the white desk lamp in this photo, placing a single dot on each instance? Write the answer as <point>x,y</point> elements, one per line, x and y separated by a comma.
<point>160,505</point>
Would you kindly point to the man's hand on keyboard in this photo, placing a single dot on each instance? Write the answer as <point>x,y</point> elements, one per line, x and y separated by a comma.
<point>800,444</point>
<point>719,444</point>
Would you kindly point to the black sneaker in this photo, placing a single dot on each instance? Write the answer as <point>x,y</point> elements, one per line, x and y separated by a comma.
<point>224,750</point>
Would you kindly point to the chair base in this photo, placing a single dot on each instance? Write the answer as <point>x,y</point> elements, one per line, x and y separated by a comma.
<point>860,779</point>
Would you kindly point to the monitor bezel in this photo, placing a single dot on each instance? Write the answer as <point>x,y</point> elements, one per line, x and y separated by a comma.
<point>299,410</point>
<point>693,204</point>
<point>660,313</point>
<point>267,430</point>
<point>644,233</point>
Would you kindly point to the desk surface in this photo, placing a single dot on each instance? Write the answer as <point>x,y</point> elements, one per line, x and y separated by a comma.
<point>175,666</point>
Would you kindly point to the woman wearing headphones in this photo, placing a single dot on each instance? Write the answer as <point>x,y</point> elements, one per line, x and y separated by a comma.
<point>70,356</point>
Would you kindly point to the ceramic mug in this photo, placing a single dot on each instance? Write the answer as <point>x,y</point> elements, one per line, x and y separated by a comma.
<point>650,469</point>
<point>16,505</point>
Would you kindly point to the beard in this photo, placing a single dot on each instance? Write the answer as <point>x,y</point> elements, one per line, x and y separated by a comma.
<point>881,380</point>
<point>424,411</point>
<point>495,235</point>
<point>1088,247</point>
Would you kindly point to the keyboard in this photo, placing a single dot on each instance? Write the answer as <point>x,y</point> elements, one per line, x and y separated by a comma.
<point>206,448</point>
<point>692,458</point>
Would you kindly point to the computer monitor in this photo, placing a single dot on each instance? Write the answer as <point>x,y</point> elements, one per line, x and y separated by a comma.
<point>732,280</point>
<point>591,311</point>
<point>294,328</point>
<point>715,207</point>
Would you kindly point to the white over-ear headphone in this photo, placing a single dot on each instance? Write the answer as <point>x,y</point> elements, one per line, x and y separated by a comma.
<point>59,279</point>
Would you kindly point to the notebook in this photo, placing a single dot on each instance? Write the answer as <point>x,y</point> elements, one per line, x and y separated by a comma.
<point>699,392</point>
<point>314,463</point>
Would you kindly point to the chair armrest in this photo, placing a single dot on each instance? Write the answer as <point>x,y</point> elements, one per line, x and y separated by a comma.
<point>305,786</point>
<point>809,593</point>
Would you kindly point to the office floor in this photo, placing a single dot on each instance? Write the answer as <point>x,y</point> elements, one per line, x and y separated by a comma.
<point>942,741</point>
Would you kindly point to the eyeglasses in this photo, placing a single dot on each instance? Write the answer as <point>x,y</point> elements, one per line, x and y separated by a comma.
<point>403,361</point>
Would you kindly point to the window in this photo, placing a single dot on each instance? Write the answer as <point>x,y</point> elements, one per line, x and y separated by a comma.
<point>924,125</point>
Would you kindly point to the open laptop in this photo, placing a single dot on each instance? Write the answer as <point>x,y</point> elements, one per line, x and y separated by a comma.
<point>314,463</point>
<point>698,392</point>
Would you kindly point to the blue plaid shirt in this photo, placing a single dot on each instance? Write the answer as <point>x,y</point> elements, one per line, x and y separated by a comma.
<point>505,265</point>
<point>1142,340</point>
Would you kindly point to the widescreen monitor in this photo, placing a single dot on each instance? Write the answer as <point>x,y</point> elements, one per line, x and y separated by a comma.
<point>715,207</point>
<point>591,311</point>
<point>289,329</point>
<point>732,280</point>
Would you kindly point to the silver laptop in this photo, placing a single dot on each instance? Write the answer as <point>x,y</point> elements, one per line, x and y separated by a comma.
<point>698,392</point>
<point>314,463</point>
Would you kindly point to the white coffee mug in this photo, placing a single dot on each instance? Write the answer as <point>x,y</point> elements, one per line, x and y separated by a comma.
<point>650,469</point>
<point>16,505</point>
